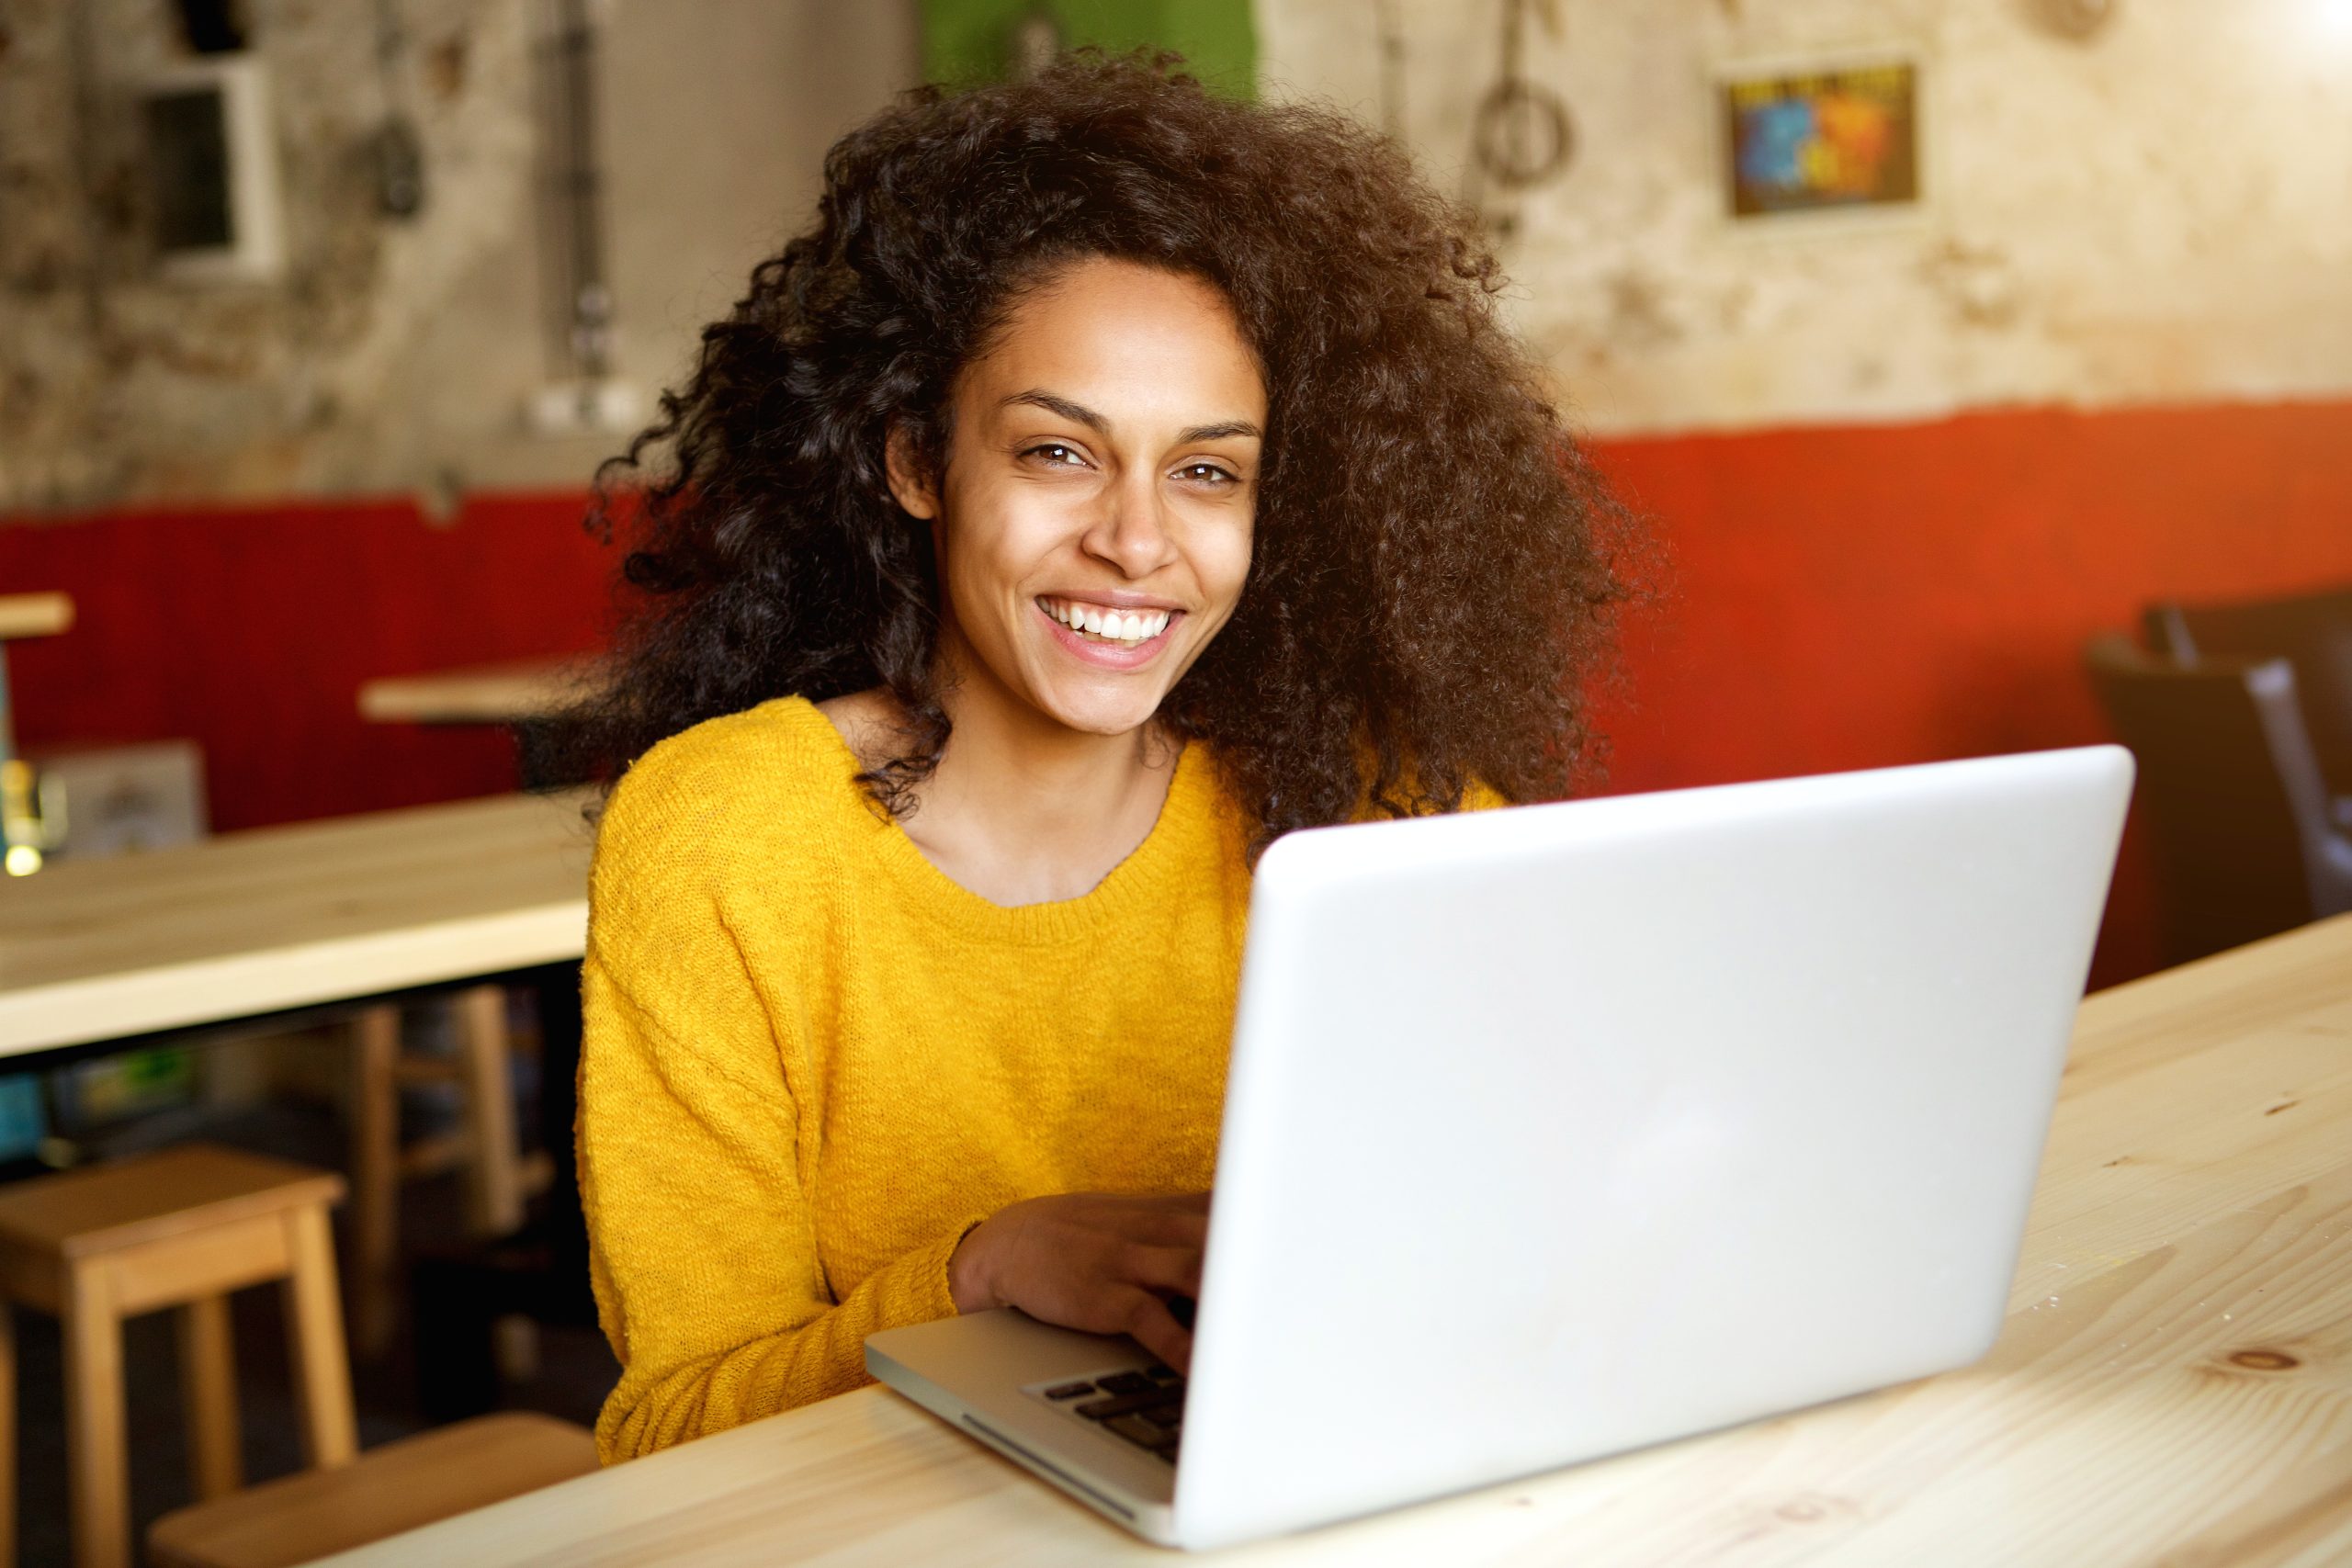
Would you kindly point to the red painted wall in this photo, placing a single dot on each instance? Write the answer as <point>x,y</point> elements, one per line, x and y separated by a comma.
<point>1860,597</point>
<point>250,631</point>
<point>1833,598</point>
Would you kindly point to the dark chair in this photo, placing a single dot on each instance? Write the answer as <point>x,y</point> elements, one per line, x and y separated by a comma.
<point>2312,632</point>
<point>2231,795</point>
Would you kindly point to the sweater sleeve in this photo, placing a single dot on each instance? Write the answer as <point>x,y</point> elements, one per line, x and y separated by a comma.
<point>702,1246</point>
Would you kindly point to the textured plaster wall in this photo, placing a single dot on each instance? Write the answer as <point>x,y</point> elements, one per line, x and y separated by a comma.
<point>395,355</point>
<point>2160,214</point>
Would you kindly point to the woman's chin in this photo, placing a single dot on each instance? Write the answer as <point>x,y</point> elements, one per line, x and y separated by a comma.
<point>1099,712</point>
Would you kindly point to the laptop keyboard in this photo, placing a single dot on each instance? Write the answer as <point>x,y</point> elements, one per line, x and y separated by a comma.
<point>1145,1407</point>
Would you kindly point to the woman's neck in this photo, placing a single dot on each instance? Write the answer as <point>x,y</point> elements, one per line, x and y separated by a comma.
<point>1021,809</point>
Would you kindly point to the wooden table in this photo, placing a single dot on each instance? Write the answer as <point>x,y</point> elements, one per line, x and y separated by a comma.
<point>486,694</point>
<point>248,924</point>
<point>33,614</point>
<point>2175,1385</point>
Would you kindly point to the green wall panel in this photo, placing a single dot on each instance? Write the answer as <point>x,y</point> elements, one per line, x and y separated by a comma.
<point>969,41</point>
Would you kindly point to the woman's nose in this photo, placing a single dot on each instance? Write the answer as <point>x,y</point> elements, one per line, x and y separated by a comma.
<point>1133,534</point>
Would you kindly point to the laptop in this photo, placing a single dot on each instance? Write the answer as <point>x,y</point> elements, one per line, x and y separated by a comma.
<point>1557,1131</point>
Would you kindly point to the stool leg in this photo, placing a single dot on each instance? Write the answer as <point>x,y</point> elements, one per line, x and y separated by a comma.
<point>322,1367</point>
<point>7,1435</point>
<point>97,1461</point>
<point>375,1174</point>
<point>516,1337</point>
<point>494,1174</point>
<point>209,1376</point>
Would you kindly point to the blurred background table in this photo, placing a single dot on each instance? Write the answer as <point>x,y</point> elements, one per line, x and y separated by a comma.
<point>2174,1383</point>
<point>302,924</point>
<point>519,692</point>
<point>318,922</point>
<point>33,614</point>
<point>251,924</point>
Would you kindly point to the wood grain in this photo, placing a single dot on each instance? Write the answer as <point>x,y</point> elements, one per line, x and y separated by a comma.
<point>33,614</point>
<point>279,918</point>
<point>483,694</point>
<point>493,1163</point>
<point>133,1203</point>
<point>209,1394</point>
<point>180,1227</point>
<point>321,1363</point>
<point>97,1462</point>
<point>386,1490</point>
<point>374,1034</point>
<point>2174,1384</point>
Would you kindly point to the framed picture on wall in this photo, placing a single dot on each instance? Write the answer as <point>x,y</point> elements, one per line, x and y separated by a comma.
<point>1833,137</point>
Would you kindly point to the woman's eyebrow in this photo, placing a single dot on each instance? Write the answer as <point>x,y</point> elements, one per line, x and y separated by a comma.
<point>1219,432</point>
<point>1078,412</point>
<point>1038,397</point>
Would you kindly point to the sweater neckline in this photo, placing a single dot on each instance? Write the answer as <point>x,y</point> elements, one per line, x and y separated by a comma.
<point>1139,878</point>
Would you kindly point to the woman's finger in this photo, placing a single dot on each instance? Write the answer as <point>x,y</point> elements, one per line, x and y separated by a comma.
<point>1150,1325</point>
<point>1167,1271</point>
<point>1166,1228</point>
<point>1181,1203</point>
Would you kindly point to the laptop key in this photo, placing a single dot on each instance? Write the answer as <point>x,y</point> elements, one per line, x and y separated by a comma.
<point>1125,1383</point>
<point>1128,1404</point>
<point>1069,1390</point>
<point>1139,1432</point>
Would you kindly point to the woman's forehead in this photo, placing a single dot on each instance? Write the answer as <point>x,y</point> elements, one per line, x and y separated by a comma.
<point>1112,336</point>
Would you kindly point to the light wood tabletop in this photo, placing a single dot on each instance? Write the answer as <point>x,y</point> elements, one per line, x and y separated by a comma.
<point>256,922</point>
<point>33,614</point>
<point>484,693</point>
<point>2174,1385</point>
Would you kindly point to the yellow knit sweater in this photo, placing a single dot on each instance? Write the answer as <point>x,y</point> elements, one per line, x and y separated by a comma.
<point>812,1061</point>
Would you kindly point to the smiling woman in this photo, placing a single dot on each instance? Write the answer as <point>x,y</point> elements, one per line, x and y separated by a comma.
<point>1092,528</point>
<point>1112,478</point>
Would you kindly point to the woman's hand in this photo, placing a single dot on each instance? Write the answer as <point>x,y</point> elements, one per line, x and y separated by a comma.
<point>1097,1261</point>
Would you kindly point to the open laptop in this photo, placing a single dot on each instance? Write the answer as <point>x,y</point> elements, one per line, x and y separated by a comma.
<point>1557,1131</point>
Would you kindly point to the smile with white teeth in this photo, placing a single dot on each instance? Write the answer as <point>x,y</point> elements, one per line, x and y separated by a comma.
<point>1128,627</point>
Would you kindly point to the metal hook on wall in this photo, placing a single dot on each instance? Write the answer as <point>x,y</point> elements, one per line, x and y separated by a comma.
<point>1522,133</point>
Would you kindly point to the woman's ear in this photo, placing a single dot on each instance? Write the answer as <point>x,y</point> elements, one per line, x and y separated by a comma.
<point>911,482</point>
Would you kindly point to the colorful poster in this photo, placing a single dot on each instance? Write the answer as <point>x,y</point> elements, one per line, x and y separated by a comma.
<point>1803,141</point>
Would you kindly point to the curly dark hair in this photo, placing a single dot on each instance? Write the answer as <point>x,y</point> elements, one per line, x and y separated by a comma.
<point>1432,582</point>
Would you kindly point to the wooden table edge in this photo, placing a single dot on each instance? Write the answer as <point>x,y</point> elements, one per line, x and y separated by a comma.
<point>35,614</point>
<point>43,1018</point>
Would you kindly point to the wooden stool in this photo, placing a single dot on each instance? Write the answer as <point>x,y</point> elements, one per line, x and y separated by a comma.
<point>400,1487</point>
<point>179,1228</point>
<point>497,1178</point>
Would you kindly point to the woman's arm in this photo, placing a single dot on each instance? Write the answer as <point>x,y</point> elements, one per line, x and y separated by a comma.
<point>702,1246</point>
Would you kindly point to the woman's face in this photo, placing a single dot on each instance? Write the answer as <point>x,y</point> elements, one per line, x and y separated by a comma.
<point>1094,523</point>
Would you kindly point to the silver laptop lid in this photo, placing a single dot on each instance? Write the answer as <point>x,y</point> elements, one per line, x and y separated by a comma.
<point>1555,1132</point>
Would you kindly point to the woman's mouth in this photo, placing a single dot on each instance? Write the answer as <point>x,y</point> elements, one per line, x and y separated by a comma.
<point>1108,623</point>
<point>1108,636</point>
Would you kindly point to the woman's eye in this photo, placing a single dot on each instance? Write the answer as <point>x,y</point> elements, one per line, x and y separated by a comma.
<point>1206,473</point>
<point>1055,455</point>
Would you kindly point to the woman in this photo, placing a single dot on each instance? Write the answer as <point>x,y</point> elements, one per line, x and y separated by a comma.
<point>1112,478</point>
